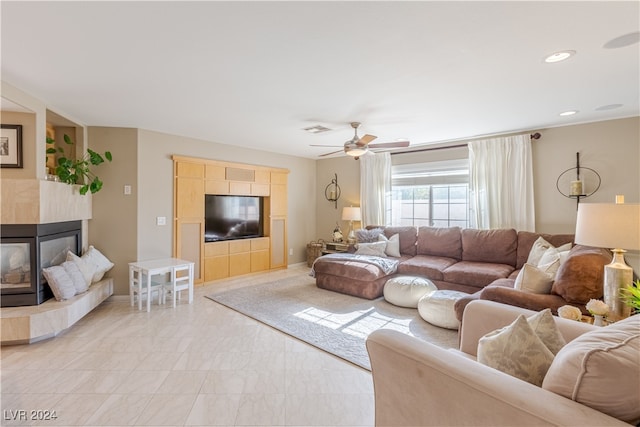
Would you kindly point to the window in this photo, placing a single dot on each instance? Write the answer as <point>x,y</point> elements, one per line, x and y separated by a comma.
<point>431,194</point>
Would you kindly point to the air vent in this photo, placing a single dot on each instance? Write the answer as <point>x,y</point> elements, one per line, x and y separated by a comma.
<point>317,129</point>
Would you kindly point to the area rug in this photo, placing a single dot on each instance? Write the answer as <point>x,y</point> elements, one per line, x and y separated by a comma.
<point>333,322</point>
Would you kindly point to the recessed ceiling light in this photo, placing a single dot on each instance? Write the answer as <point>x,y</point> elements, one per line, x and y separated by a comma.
<point>559,56</point>
<point>317,129</point>
<point>569,113</point>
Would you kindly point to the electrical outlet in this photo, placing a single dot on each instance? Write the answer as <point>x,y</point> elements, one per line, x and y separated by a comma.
<point>161,220</point>
<point>291,252</point>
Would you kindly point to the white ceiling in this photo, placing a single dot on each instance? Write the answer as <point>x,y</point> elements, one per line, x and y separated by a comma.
<point>254,74</point>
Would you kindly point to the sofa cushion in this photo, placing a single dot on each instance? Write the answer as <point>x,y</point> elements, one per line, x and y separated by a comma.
<point>500,291</point>
<point>526,239</point>
<point>494,246</point>
<point>408,238</point>
<point>516,350</point>
<point>425,265</point>
<point>442,242</point>
<point>478,274</point>
<point>580,278</point>
<point>348,268</point>
<point>601,369</point>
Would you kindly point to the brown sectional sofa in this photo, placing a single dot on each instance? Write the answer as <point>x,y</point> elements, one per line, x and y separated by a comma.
<point>482,263</point>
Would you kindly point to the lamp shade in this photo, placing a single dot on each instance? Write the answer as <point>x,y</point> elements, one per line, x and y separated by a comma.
<point>609,225</point>
<point>351,214</point>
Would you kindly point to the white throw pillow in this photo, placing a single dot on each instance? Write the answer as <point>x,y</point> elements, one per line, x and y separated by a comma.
<point>533,279</point>
<point>516,350</point>
<point>537,250</point>
<point>101,263</point>
<point>546,329</point>
<point>375,249</point>
<point>79,282</point>
<point>555,254</point>
<point>59,281</point>
<point>393,245</point>
<point>86,268</point>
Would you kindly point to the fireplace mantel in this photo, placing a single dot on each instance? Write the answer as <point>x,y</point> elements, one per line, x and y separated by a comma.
<point>35,201</point>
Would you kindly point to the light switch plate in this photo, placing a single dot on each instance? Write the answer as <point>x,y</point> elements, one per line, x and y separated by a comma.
<point>127,190</point>
<point>161,220</point>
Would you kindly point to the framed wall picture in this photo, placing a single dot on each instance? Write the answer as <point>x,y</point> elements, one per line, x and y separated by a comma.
<point>11,146</point>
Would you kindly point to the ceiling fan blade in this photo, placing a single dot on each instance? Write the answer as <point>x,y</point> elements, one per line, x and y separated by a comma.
<point>396,144</point>
<point>365,140</point>
<point>333,152</point>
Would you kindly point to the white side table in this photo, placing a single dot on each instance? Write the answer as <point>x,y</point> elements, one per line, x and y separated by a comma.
<point>155,267</point>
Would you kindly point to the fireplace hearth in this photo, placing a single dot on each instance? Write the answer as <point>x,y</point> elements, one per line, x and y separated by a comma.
<point>26,249</point>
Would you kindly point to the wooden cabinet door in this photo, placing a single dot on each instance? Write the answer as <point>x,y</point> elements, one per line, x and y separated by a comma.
<point>189,245</point>
<point>189,198</point>
<point>239,264</point>
<point>278,242</point>
<point>216,267</point>
<point>278,194</point>
<point>259,261</point>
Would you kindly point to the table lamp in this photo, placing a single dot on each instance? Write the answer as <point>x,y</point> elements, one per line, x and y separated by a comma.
<point>610,225</point>
<point>351,214</point>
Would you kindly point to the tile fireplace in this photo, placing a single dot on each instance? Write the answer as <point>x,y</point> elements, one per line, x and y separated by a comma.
<point>25,249</point>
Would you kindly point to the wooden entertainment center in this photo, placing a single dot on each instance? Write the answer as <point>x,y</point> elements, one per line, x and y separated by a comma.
<point>195,177</point>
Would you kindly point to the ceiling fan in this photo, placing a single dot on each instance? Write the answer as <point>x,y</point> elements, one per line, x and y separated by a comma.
<point>357,146</point>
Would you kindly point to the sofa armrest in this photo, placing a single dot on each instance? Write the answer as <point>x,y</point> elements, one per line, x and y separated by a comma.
<point>483,316</point>
<point>526,300</point>
<point>419,384</point>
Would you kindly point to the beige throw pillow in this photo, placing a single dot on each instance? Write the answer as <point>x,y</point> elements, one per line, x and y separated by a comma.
<point>534,280</point>
<point>516,350</point>
<point>372,249</point>
<point>601,369</point>
<point>544,325</point>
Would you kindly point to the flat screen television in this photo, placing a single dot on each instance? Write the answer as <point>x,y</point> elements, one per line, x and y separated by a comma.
<point>232,217</point>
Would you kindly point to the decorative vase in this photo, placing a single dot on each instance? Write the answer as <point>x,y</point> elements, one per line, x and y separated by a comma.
<point>598,320</point>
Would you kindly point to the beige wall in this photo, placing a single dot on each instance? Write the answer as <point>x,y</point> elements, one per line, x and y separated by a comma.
<point>114,227</point>
<point>143,159</point>
<point>611,147</point>
<point>28,122</point>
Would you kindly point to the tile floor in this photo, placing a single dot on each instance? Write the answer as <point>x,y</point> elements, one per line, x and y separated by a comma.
<point>199,364</point>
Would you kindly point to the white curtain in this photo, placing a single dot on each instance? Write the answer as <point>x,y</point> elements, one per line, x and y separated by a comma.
<point>375,188</point>
<point>501,183</point>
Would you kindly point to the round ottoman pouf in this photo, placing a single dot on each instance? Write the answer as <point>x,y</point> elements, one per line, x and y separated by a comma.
<point>437,308</point>
<point>406,291</point>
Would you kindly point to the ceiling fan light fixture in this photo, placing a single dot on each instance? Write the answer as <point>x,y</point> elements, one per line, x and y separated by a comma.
<point>354,150</point>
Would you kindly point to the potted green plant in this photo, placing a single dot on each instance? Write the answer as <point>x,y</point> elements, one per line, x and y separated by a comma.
<point>631,295</point>
<point>77,171</point>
